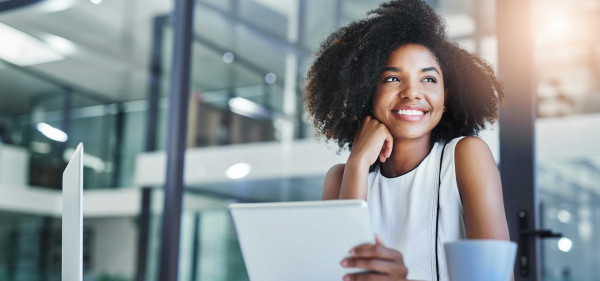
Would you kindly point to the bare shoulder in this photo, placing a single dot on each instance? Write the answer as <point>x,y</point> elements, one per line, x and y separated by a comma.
<point>333,182</point>
<point>471,145</point>
<point>473,159</point>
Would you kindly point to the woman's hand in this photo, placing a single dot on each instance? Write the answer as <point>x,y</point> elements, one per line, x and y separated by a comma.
<point>372,140</point>
<point>384,263</point>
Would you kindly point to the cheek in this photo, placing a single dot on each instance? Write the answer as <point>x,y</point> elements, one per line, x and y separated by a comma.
<point>377,101</point>
<point>439,104</point>
<point>439,98</point>
<point>380,104</point>
<point>442,100</point>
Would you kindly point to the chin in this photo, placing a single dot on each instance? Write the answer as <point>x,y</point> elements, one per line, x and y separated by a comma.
<point>411,136</point>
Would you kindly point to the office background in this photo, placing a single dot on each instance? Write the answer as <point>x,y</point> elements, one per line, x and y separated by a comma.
<point>98,72</point>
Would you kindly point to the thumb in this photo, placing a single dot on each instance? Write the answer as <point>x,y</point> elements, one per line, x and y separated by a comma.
<point>378,240</point>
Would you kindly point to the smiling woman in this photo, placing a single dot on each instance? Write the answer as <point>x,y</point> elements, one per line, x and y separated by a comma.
<point>351,59</point>
<point>410,95</point>
<point>408,104</point>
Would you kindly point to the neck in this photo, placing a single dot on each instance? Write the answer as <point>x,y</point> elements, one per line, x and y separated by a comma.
<point>406,155</point>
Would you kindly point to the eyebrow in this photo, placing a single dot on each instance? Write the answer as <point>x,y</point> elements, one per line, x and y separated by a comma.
<point>397,69</point>
<point>430,69</point>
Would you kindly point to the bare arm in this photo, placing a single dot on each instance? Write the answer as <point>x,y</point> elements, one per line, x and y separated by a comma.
<point>333,182</point>
<point>346,181</point>
<point>349,181</point>
<point>479,184</point>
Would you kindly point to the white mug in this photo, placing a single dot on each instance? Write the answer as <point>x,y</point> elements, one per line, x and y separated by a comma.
<point>478,259</point>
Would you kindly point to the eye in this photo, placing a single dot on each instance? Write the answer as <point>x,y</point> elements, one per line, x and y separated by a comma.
<point>391,79</point>
<point>429,79</point>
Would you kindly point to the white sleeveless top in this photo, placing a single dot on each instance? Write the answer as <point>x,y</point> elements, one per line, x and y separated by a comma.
<point>403,212</point>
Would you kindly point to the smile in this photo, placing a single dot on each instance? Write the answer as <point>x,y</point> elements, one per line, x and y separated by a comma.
<point>409,112</point>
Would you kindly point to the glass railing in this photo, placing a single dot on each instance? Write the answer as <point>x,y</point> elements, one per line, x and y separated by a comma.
<point>37,125</point>
<point>49,142</point>
<point>208,242</point>
<point>31,243</point>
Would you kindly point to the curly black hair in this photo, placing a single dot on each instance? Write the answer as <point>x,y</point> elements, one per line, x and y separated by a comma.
<point>341,82</point>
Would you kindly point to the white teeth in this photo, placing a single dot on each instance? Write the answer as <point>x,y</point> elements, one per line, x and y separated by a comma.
<point>409,112</point>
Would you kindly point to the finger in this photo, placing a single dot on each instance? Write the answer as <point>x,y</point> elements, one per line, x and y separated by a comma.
<point>378,240</point>
<point>375,251</point>
<point>370,276</point>
<point>382,156</point>
<point>377,265</point>
<point>386,149</point>
<point>389,144</point>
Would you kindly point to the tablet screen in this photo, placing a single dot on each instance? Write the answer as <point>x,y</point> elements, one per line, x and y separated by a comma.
<point>300,240</point>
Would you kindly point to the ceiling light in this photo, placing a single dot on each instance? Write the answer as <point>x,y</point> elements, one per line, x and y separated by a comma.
<point>228,57</point>
<point>563,216</point>
<point>565,244</point>
<point>59,44</point>
<point>270,78</point>
<point>249,108</point>
<point>24,49</point>
<point>238,171</point>
<point>52,133</point>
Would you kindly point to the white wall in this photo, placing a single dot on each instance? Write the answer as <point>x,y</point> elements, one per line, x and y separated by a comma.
<point>575,136</point>
<point>301,158</point>
<point>114,246</point>
<point>14,164</point>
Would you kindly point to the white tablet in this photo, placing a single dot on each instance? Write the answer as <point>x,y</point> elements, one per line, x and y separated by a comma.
<point>300,240</point>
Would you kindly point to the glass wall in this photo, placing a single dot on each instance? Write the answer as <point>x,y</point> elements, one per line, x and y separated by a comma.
<point>32,247</point>
<point>209,249</point>
<point>567,59</point>
<point>72,71</point>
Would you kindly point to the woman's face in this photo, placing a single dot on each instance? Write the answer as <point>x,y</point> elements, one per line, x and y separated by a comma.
<point>409,97</point>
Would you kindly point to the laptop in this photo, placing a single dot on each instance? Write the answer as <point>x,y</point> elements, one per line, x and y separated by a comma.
<point>300,240</point>
<point>72,218</point>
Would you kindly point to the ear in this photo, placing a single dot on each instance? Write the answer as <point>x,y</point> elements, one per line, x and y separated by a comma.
<point>445,98</point>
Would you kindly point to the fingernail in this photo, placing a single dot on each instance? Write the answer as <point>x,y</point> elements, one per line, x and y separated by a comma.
<point>344,262</point>
<point>352,252</point>
<point>346,278</point>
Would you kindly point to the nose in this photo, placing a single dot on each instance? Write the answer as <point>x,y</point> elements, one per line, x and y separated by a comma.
<point>410,91</point>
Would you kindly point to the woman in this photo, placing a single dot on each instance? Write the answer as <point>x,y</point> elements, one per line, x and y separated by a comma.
<point>408,104</point>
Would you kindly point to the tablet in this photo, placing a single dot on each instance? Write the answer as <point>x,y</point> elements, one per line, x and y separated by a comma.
<point>300,240</point>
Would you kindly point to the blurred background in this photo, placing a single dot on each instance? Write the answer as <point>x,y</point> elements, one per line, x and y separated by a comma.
<point>97,72</point>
